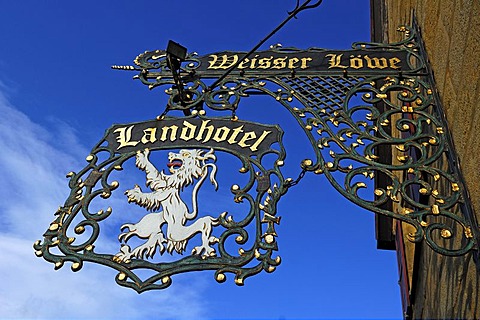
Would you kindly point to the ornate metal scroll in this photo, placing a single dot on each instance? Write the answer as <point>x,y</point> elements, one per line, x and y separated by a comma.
<point>242,244</point>
<point>335,97</point>
<point>351,105</point>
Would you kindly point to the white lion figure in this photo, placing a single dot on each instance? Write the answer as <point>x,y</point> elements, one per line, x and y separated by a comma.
<point>185,167</point>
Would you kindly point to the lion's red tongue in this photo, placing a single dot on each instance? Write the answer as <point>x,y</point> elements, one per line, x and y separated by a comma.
<point>174,164</point>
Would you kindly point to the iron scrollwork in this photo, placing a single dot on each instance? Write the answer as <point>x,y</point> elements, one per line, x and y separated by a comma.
<point>253,232</point>
<point>339,98</point>
<point>334,97</point>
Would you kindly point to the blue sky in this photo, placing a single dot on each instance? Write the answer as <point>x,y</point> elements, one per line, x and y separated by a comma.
<point>57,97</point>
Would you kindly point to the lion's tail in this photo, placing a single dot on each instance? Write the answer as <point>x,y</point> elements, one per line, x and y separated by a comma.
<point>215,221</point>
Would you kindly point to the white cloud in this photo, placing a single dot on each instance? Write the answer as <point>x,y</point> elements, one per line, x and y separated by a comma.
<point>33,161</point>
<point>32,289</point>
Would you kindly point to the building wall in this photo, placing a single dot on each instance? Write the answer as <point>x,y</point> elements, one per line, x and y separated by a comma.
<point>445,287</point>
<point>451,31</point>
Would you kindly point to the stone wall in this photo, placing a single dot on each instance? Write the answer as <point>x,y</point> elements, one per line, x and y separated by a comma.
<point>445,287</point>
<point>451,31</point>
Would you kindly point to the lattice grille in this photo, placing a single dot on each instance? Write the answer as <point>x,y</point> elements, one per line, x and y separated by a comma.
<point>321,92</point>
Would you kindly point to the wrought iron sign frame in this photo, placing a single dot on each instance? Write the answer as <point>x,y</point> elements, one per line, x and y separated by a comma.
<point>333,95</point>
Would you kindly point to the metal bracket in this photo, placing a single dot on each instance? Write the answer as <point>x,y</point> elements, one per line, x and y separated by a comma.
<point>334,96</point>
<point>339,115</point>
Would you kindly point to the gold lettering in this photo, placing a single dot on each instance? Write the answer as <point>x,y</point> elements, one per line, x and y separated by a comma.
<point>335,61</point>
<point>265,63</point>
<point>356,62</point>
<point>393,62</point>
<point>254,146</point>
<point>291,62</point>
<point>124,136</point>
<point>254,60</point>
<point>223,131</point>
<point>246,137</point>
<point>373,63</point>
<point>304,63</point>
<point>190,128</point>
<point>202,130</point>
<point>173,133</point>
<point>149,135</point>
<point>225,63</point>
<point>244,64</point>
<point>279,63</point>
<point>234,135</point>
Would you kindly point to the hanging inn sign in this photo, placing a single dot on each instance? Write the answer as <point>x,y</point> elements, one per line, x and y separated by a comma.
<point>155,184</point>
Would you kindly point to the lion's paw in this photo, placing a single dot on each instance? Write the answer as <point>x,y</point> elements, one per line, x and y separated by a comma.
<point>124,255</point>
<point>210,252</point>
<point>213,240</point>
<point>133,194</point>
<point>142,158</point>
<point>204,251</point>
